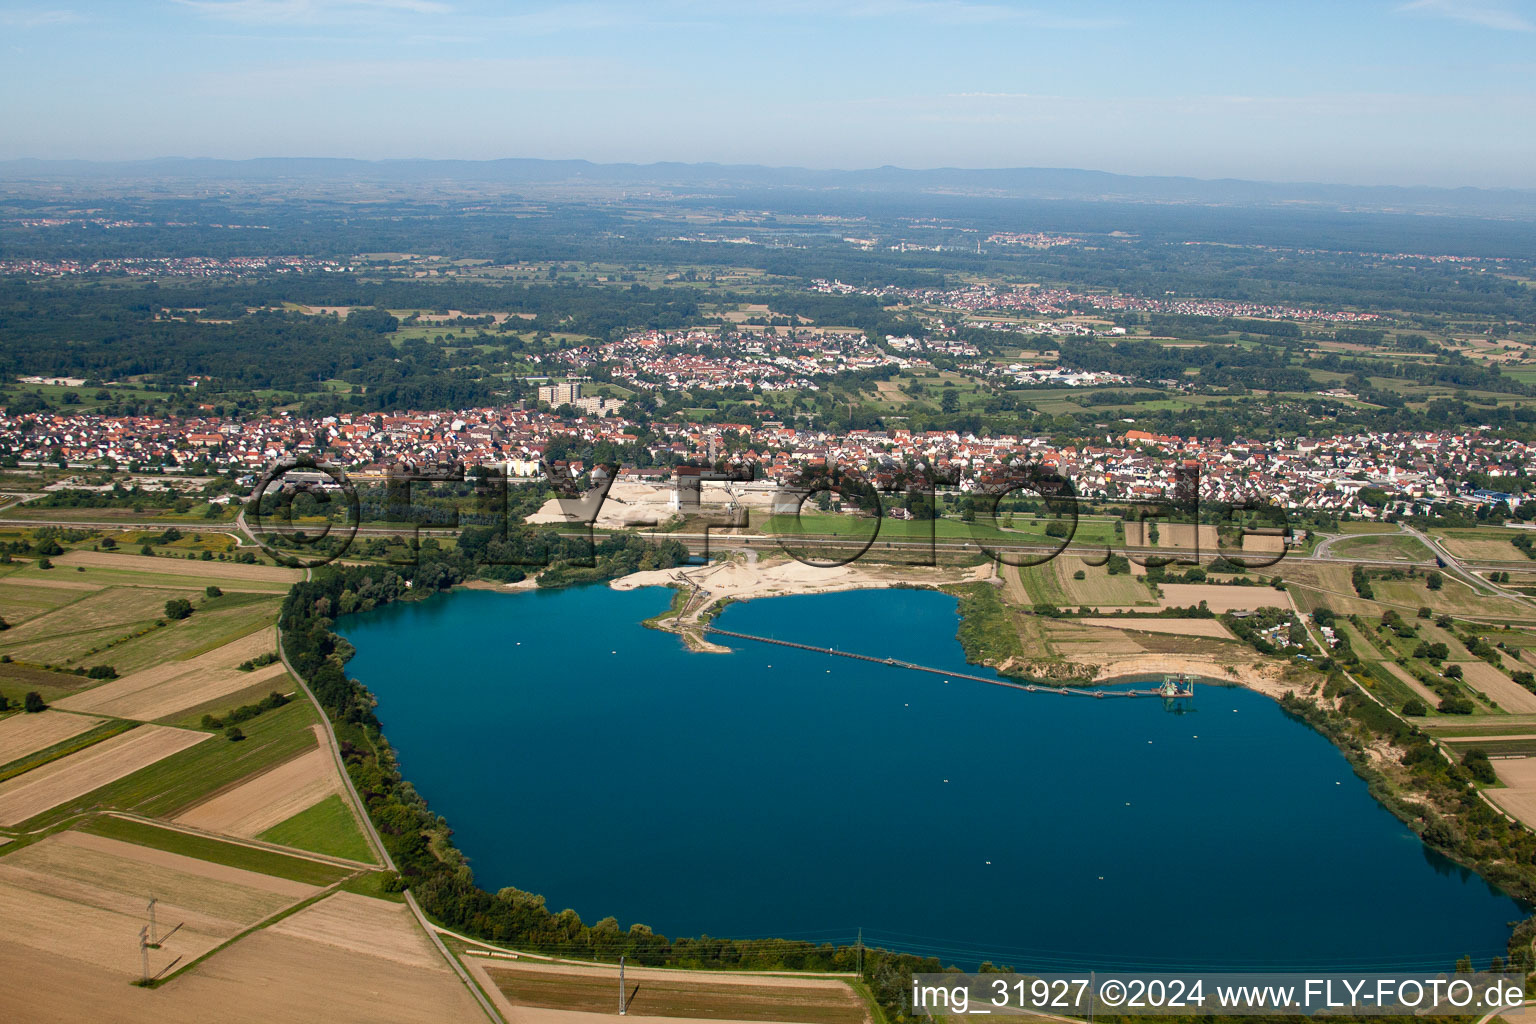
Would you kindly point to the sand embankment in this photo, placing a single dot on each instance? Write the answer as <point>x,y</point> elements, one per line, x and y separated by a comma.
<point>741,580</point>
<point>1256,675</point>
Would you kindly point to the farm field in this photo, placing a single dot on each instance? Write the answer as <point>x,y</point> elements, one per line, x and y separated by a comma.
<point>190,774</point>
<point>362,925</point>
<point>1486,543</point>
<point>174,686</point>
<point>326,827</point>
<point>1430,697</point>
<point>1518,796</point>
<point>1454,598</point>
<point>270,798</point>
<point>84,896</point>
<point>232,573</point>
<point>23,734</point>
<point>1391,547</point>
<point>671,994</point>
<point>1511,695</point>
<point>1221,598</point>
<point>230,853</point>
<point>817,524</point>
<point>80,773</point>
<point>1151,624</point>
<point>1053,582</point>
<point>264,977</point>
<point>214,623</point>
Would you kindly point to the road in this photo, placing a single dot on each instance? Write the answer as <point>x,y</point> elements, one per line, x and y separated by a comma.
<point>1462,569</point>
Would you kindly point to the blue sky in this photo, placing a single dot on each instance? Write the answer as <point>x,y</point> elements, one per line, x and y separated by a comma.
<point>1438,92</point>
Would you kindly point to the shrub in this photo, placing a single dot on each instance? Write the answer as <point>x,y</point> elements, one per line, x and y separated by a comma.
<point>102,672</point>
<point>213,591</point>
<point>1415,708</point>
<point>178,608</point>
<point>233,734</point>
<point>1477,764</point>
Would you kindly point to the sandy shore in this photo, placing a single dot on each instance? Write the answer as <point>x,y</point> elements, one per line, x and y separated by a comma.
<point>741,581</point>
<point>527,583</point>
<point>1253,673</point>
<point>744,579</point>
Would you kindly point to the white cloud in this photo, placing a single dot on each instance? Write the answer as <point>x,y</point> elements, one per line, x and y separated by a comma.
<point>1473,12</point>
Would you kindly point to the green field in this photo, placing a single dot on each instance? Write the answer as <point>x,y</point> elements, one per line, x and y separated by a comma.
<point>328,827</point>
<point>164,788</point>
<point>235,855</point>
<point>1389,547</point>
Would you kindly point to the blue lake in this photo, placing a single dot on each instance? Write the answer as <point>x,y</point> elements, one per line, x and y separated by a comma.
<point>775,792</point>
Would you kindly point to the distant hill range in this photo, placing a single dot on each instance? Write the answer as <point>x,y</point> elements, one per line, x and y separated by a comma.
<point>1036,183</point>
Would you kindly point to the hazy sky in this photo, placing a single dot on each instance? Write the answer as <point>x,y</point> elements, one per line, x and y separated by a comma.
<point>1370,91</point>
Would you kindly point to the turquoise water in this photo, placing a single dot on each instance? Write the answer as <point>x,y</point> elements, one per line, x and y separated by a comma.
<point>774,792</point>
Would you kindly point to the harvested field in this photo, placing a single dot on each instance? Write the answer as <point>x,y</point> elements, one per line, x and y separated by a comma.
<point>50,583</point>
<point>230,618</point>
<point>1490,545</point>
<point>264,977</point>
<point>1149,624</point>
<point>18,604</point>
<point>176,685</point>
<point>24,734</point>
<point>360,924</point>
<point>1086,644</point>
<point>274,796</point>
<point>83,897</point>
<point>80,773</point>
<point>181,567</point>
<point>1511,695</point>
<point>76,624</point>
<point>1182,536</point>
<point>1313,584</point>
<point>1221,598</point>
<point>1097,588</point>
<point>1519,795</point>
<point>129,867</point>
<point>673,994</point>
